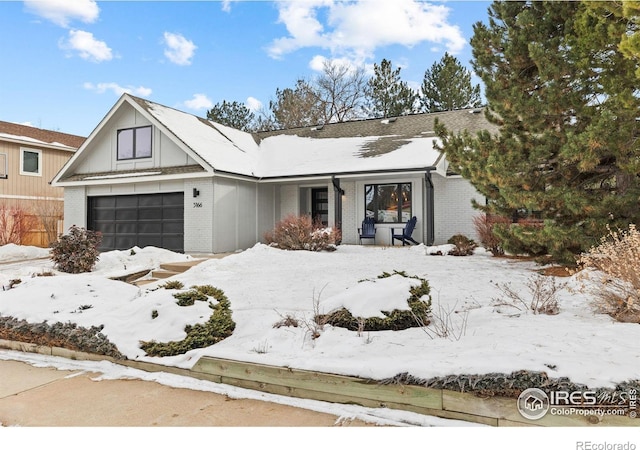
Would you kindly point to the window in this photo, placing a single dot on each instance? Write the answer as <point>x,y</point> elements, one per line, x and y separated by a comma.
<point>3,166</point>
<point>388,203</point>
<point>134,143</point>
<point>30,163</point>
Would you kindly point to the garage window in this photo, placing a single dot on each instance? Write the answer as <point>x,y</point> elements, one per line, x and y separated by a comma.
<point>134,143</point>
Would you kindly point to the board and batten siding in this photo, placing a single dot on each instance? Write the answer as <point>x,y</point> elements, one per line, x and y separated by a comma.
<point>27,188</point>
<point>103,155</point>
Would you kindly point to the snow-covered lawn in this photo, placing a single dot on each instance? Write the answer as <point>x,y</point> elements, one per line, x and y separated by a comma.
<point>265,285</point>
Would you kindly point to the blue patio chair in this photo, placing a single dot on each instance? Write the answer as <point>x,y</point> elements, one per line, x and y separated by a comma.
<point>368,230</point>
<point>405,236</point>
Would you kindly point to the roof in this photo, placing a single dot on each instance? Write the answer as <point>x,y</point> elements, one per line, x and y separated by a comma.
<point>37,136</point>
<point>405,143</point>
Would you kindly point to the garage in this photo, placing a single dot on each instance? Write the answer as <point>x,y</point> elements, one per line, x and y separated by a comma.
<point>139,220</point>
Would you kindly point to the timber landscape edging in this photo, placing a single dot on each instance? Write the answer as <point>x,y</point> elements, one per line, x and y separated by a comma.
<point>443,403</point>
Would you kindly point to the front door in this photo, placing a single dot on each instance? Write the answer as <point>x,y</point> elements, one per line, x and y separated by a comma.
<point>320,205</point>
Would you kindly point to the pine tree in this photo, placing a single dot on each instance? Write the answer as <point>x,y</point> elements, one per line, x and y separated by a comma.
<point>565,101</point>
<point>630,44</point>
<point>447,86</point>
<point>232,114</point>
<point>387,95</point>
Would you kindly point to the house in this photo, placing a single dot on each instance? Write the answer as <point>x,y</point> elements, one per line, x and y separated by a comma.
<point>152,175</point>
<point>29,158</point>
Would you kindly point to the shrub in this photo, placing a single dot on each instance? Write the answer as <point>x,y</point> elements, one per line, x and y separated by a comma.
<point>219,326</point>
<point>544,296</point>
<point>195,294</point>
<point>172,284</point>
<point>416,316</point>
<point>617,258</point>
<point>302,233</point>
<point>484,226</point>
<point>76,252</point>
<point>463,245</point>
<point>15,224</point>
<point>287,321</point>
<point>65,335</point>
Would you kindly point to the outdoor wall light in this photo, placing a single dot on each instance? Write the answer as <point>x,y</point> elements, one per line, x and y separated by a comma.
<point>195,192</point>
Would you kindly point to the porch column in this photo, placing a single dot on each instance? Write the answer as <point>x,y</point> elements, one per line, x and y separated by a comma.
<point>337,194</point>
<point>429,209</point>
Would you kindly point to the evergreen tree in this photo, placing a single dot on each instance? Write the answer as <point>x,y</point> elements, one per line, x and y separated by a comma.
<point>447,86</point>
<point>232,114</point>
<point>387,95</point>
<point>565,101</point>
<point>630,44</point>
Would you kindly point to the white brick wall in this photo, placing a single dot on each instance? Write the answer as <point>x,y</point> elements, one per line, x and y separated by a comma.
<point>350,223</point>
<point>453,210</point>
<point>198,216</point>
<point>75,207</point>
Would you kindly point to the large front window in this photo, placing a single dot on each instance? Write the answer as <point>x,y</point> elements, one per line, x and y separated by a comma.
<point>388,203</point>
<point>134,143</point>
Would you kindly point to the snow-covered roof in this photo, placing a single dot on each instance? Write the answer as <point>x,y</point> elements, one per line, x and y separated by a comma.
<point>405,143</point>
<point>25,134</point>
<point>288,155</point>
<point>284,155</point>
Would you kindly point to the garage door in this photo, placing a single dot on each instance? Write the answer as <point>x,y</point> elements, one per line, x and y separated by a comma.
<point>138,220</point>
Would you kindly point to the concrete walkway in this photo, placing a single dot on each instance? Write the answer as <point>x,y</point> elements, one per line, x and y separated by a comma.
<point>46,397</point>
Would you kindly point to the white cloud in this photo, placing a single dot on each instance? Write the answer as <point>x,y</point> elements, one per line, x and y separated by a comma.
<point>87,46</point>
<point>226,5</point>
<point>179,49</point>
<point>357,28</point>
<point>253,104</point>
<point>101,88</point>
<point>61,12</point>
<point>317,63</point>
<point>198,102</point>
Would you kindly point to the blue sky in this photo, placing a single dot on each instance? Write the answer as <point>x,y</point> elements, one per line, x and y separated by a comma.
<point>64,63</point>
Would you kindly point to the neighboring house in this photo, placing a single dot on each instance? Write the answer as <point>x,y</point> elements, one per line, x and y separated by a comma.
<point>152,175</point>
<point>29,159</point>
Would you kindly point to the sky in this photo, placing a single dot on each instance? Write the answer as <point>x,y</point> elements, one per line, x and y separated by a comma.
<point>487,332</point>
<point>66,62</point>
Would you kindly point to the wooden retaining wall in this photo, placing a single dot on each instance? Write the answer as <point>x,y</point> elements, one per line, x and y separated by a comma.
<point>493,411</point>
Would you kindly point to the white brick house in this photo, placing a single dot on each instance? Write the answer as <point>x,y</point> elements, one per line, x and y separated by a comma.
<point>152,175</point>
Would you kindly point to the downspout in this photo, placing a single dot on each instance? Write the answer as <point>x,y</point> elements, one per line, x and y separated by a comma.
<point>429,208</point>
<point>338,192</point>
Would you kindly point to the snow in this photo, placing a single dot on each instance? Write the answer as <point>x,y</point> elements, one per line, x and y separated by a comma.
<point>231,150</point>
<point>281,155</point>
<point>122,175</point>
<point>35,141</point>
<point>265,284</point>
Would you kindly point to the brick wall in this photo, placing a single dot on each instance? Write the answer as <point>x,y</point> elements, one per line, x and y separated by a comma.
<point>453,210</point>
<point>198,216</point>
<point>75,207</point>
